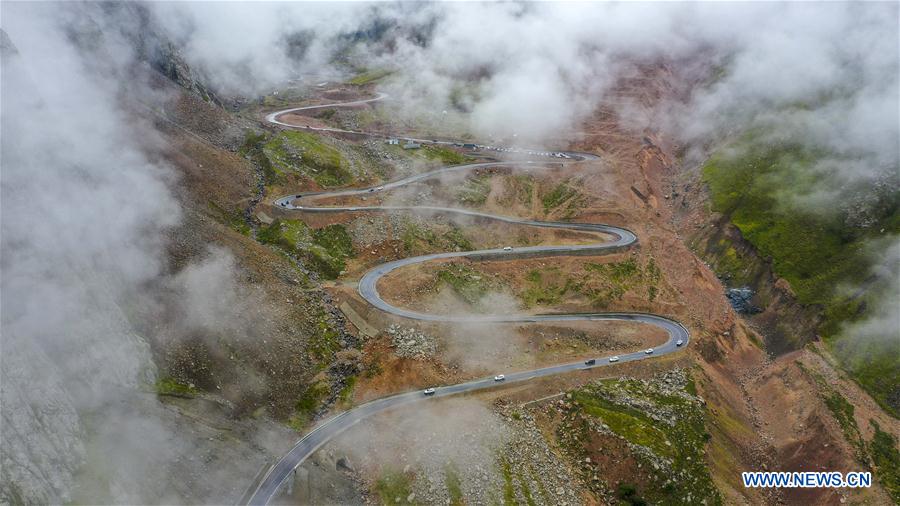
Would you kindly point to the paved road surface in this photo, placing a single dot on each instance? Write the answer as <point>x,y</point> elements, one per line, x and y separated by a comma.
<point>368,289</point>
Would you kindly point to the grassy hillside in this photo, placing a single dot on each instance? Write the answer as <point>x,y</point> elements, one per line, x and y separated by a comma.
<point>880,453</point>
<point>308,154</point>
<point>664,429</point>
<point>325,250</point>
<point>823,252</point>
<point>369,76</point>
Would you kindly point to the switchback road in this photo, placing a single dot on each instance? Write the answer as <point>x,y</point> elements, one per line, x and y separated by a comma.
<point>678,335</point>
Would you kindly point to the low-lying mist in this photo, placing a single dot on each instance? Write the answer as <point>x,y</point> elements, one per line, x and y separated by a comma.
<point>462,436</point>
<point>86,210</point>
<point>85,213</point>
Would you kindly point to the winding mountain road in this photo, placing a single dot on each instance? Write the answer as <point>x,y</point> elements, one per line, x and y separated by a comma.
<point>368,290</point>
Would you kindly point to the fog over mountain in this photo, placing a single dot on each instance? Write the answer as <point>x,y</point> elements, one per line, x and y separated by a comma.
<point>86,205</point>
<point>84,211</point>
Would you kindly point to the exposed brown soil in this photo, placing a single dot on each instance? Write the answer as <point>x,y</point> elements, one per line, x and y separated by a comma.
<point>766,416</point>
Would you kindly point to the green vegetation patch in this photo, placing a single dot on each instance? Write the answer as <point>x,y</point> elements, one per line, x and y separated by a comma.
<point>732,265</point>
<point>370,76</point>
<point>629,423</point>
<point>171,386</point>
<point>444,155</point>
<point>821,252</point>
<point>843,413</point>
<point>440,154</point>
<point>886,459</point>
<point>605,283</point>
<point>253,149</point>
<point>347,390</point>
<point>562,193</point>
<point>518,189</point>
<point>418,238</point>
<point>812,251</point>
<point>628,494</point>
<point>233,219</point>
<point>454,486</point>
<point>874,364</point>
<point>601,283</point>
<point>335,240</point>
<point>509,488</point>
<point>545,287</point>
<point>327,341</point>
<point>666,425</point>
<point>475,191</point>
<point>521,188</point>
<point>325,250</point>
<point>305,153</point>
<point>394,487</point>
<point>307,405</point>
<point>881,452</point>
<point>471,285</point>
<point>283,97</point>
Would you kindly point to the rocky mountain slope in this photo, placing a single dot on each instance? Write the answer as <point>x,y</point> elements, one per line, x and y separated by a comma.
<point>249,331</point>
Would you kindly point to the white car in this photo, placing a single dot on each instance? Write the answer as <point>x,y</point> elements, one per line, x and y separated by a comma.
<point>507,248</point>
<point>499,377</point>
<point>679,342</point>
<point>648,351</point>
<point>428,391</point>
<point>613,359</point>
<point>298,207</point>
<point>380,188</point>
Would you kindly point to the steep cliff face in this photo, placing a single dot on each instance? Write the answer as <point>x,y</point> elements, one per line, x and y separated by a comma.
<point>67,344</point>
<point>47,386</point>
<point>785,324</point>
<point>42,445</point>
<point>40,442</point>
<point>814,273</point>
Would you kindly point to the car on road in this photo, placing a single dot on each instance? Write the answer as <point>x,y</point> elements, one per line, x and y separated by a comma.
<point>648,351</point>
<point>299,196</point>
<point>590,361</point>
<point>371,189</point>
<point>613,359</point>
<point>679,342</point>
<point>298,207</point>
<point>507,248</point>
<point>428,391</point>
<point>380,188</point>
<point>499,377</point>
<point>283,204</point>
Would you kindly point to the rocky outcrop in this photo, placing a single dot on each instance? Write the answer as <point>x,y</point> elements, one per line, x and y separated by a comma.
<point>785,324</point>
<point>410,343</point>
<point>168,60</point>
<point>741,299</point>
